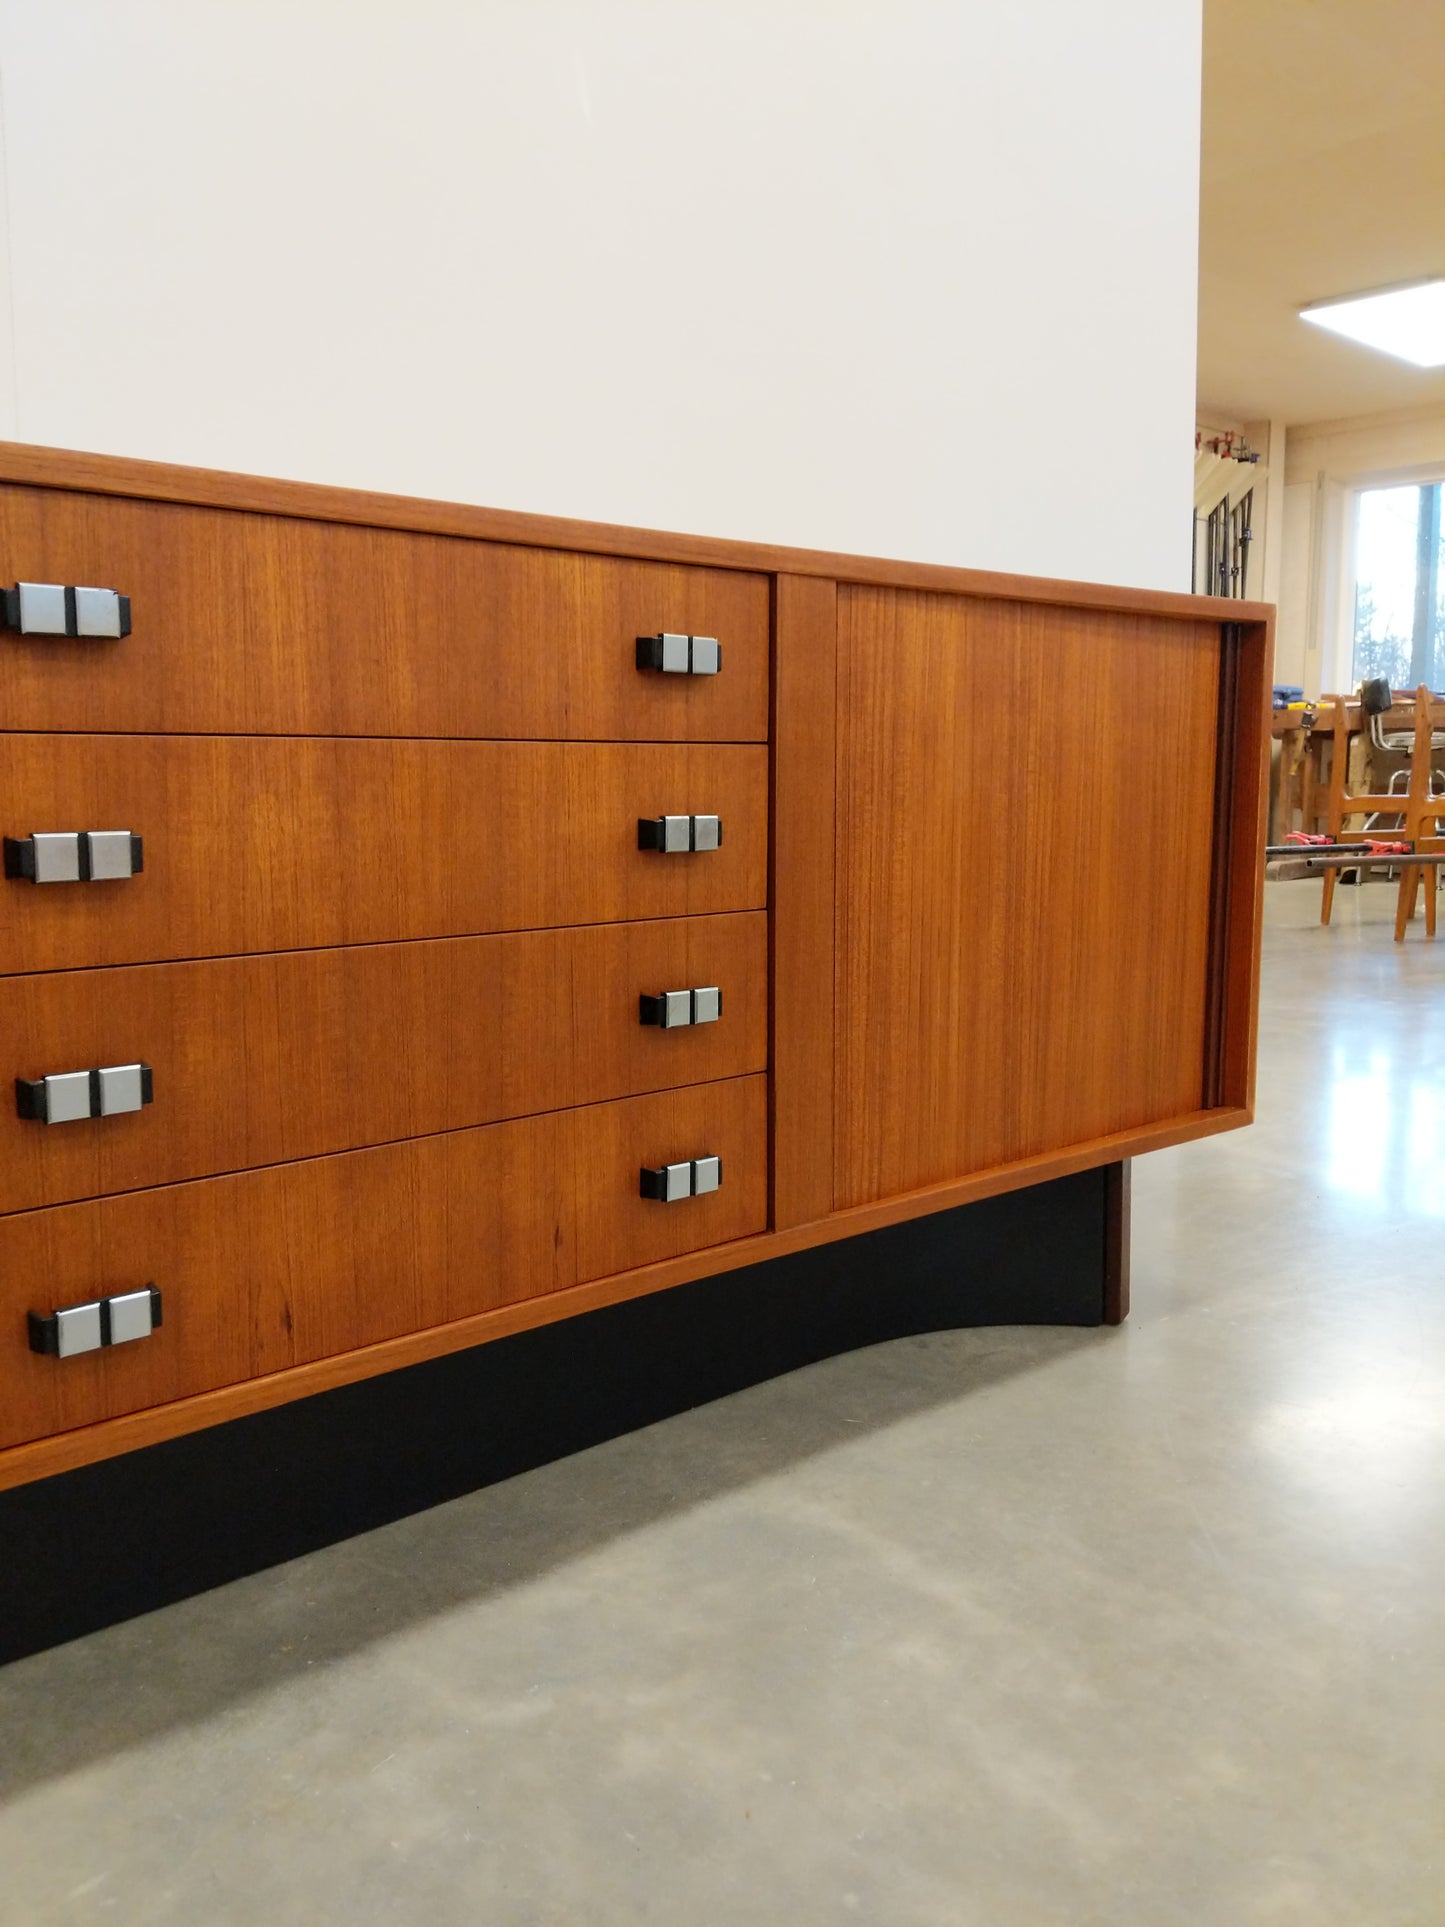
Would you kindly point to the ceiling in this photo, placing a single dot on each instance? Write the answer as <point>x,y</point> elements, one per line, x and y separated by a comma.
<point>1322,173</point>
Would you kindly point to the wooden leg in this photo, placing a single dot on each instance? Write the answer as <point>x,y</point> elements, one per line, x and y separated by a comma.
<point>1405,908</point>
<point>1116,1242</point>
<point>1328,896</point>
<point>1431,880</point>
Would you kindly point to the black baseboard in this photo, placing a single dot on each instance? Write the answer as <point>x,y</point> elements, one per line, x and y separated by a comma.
<point>88,1548</point>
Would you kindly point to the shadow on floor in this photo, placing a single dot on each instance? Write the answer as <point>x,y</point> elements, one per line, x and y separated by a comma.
<point>417,1473</point>
<point>95,1697</point>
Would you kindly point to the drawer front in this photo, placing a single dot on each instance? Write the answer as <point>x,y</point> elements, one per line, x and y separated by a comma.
<point>266,624</point>
<point>283,843</point>
<point>268,1269</point>
<point>257,1060</point>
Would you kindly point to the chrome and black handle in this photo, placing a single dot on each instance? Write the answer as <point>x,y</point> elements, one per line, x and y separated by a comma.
<point>671,1009</point>
<point>104,1321</point>
<point>672,834</point>
<point>74,856</point>
<point>57,609</point>
<point>675,655</point>
<point>693,1178</point>
<point>69,1095</point>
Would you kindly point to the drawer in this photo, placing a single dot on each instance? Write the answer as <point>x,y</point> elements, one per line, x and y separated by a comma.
<point>283,843</point>
<point>269,624</point>
<point>267,1269</point>
<point>257,1060</point>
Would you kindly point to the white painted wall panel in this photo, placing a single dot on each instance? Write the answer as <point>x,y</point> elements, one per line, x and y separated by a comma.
<point>889,276</point>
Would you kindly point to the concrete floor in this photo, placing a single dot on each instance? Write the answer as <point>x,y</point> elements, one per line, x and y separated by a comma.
<point>991,1627</point>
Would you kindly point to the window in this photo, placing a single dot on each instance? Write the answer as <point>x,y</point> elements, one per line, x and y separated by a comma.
<point>1399,579</point>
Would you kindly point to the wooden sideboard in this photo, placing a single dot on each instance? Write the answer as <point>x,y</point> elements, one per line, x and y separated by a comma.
<point>971,863</point>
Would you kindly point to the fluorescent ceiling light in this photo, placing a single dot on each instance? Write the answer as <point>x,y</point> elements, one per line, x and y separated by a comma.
<point>1406,322</point>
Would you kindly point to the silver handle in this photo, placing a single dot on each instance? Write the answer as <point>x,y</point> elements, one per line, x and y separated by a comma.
<point>693,1178</point>
<point>74,856</point>
<point>104,1321</point>
<point>65,1096</point>
<point>671,1009</point>
<point>57,609</point>
<point>671,654</point>
<point>676,834</point>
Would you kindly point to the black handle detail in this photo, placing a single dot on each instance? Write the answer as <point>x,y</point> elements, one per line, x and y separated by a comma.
<point>44,1332</point>
<point>20,858</point>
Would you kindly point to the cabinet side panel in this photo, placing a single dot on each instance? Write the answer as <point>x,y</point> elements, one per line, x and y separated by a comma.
<point>1025,808</point>
<point>1248,835</point>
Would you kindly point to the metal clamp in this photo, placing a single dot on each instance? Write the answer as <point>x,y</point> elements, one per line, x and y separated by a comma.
<point>54,609</point>
<point>63,1098</point>
<point>74,856</point>
<point>671,1009</point>
<point>104,1321</point>
<point>676,833</point>
<point>675,655</point>
<point>693,1178</point>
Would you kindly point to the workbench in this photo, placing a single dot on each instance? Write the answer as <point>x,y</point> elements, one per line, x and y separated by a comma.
<point>1302,774</point>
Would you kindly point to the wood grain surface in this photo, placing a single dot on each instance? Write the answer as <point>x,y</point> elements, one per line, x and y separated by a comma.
<point>805,750</point>
<point>1023,918</point>
<point>85,1443</point>
<point>258,1060</point>
<point>1015,786</point>
<point>280,843</point>
<point>273,1268</point>
<point>275,625</point>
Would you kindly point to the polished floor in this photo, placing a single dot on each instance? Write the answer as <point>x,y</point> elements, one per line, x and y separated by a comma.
<point>998,1627</point>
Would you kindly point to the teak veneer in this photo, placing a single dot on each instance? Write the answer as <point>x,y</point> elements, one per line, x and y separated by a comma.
<point>294,842</point>
<point>1024,961</point>
<point>985,913</point>
<point>304,1261</point>
<point>278,625</point>
<point>475,1029</point>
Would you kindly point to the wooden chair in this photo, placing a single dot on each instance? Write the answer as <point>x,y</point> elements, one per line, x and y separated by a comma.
<point>1422,823</point>
<point>1340,802</point>
<point>1417,808</point>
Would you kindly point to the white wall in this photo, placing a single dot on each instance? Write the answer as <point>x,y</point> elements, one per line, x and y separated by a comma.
<point>863,276</point>
<point>1296,643</point>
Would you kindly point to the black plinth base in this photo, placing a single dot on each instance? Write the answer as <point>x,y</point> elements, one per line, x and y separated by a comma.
<point>87,1548</point>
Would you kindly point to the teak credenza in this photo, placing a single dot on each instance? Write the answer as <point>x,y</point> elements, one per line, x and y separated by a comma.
<point>422,922</point>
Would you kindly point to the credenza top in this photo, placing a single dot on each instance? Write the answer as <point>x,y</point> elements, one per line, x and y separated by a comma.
<point>74,469</point>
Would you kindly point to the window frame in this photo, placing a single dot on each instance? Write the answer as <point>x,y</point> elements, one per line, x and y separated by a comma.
<point>1341,543</point>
